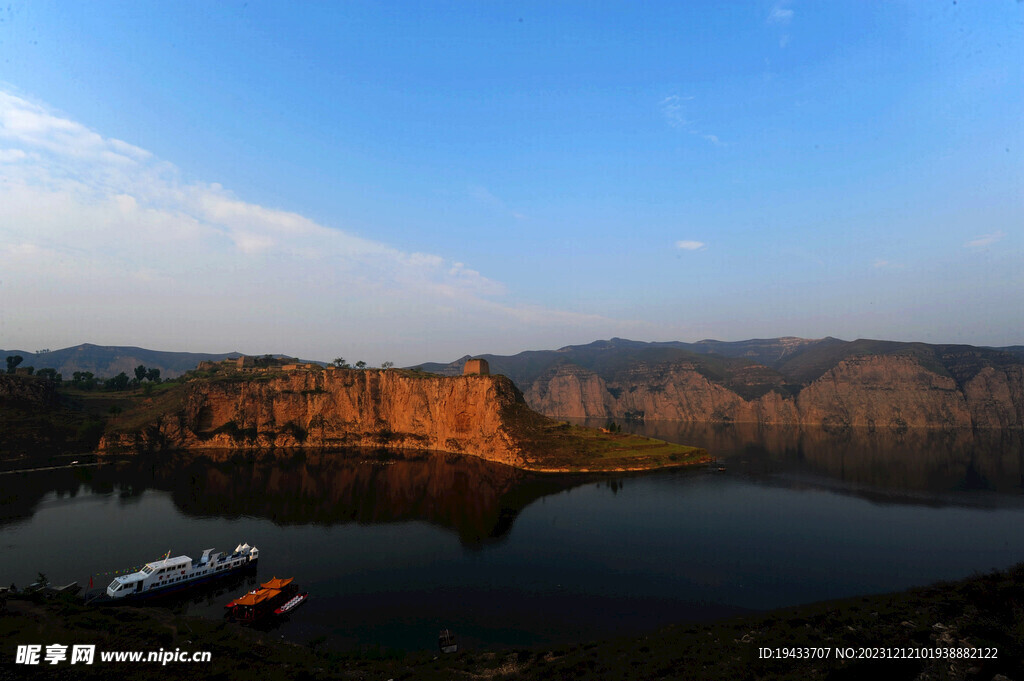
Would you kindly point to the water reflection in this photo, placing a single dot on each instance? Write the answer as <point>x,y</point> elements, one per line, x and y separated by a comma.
<point>508,558</point>
<point>870,464</point>
<point>476,499</point>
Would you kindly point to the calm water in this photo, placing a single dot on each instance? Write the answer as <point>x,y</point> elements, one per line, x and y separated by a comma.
<point>394,550</point>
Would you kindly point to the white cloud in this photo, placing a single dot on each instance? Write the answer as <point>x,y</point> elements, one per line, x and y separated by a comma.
<point>12,155</point>
<point>985,240</point>
<point>105,243</point>
<point>780,14</point>
<point>690,245</point>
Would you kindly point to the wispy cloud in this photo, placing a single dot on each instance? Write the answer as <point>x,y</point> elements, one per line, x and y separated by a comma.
<point>780,14</point>
<point>985,240</point>
<point>673,108</point>
<point>102,240</point>
<point>486,197</point>
<point>12,155</point>
<point>690,245</point>
<point>881,264</point>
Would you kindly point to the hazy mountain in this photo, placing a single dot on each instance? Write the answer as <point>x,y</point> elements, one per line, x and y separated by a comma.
<point>109,360</point>
<point>606,357</point>
<point>795,360</point>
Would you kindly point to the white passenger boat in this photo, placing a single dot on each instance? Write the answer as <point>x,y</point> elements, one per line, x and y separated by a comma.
<point>172,574</point>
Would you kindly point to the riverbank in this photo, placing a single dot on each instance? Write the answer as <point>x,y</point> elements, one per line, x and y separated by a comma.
<point>984,613</point>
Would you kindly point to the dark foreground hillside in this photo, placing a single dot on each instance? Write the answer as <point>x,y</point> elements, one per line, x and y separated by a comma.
<point>940,624</point>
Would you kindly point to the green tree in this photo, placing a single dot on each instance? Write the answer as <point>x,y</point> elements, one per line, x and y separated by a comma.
<point>50,374</point>
<point>118,383</point>
<point>360,364</point>
<point>13,361</point>
<point>341,363</point>
<point>83,380</point>
<point>386,365</point>
<point>153,375</point>
<point>140,373</point>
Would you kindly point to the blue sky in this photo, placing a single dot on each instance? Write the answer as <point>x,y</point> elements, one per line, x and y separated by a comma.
<point>419,181</point>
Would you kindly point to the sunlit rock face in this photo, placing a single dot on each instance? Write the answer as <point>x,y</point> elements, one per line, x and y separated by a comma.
<point>342,408</point>
<point>893,392</point>
<point>995,397</point>
<point>884,392</point>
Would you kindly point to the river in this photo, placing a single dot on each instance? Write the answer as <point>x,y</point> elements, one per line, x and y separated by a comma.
<point>392,549</point>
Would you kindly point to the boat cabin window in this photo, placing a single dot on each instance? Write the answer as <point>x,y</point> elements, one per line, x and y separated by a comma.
<point>147,570</point>
<point>114,585</point>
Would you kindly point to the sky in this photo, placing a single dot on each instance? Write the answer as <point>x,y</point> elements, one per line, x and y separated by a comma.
<point>415,182</point>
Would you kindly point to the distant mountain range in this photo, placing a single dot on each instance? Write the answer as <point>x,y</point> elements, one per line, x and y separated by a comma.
<point>796,361</point>
<point>775,381</point>
<point>105,361</point>
<point>789,381</point>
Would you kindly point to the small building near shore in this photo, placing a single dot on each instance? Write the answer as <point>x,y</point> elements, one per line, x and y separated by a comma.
<point>476,366</point>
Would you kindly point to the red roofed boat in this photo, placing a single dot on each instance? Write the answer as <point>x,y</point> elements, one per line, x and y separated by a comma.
<point>259,603</point>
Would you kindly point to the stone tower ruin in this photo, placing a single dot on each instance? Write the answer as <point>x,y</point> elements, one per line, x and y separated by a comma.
<point>476,366</point>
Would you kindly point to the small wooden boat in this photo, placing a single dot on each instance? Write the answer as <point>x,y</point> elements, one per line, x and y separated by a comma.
<point>72,588</point>
<point>296,601</point>
<point>446,641</point>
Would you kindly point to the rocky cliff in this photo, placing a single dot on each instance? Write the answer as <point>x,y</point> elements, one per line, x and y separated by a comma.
<point>483,416</point>
<point>886,391</point>
<point>341,408</point>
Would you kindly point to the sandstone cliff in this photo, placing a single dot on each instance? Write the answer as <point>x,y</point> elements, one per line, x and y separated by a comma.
<point>895,392</point>
<point>483,416</point>
<point>389,409</point>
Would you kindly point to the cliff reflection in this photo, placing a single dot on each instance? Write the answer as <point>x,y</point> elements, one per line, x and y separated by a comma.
<point>477,499</point>
<point>915,461</point>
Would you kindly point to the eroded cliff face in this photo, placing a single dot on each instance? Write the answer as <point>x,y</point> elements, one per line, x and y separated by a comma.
<point>341,408</point>
<point>676,392</point>
<point>892,392</point>
<point>995,397</point>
